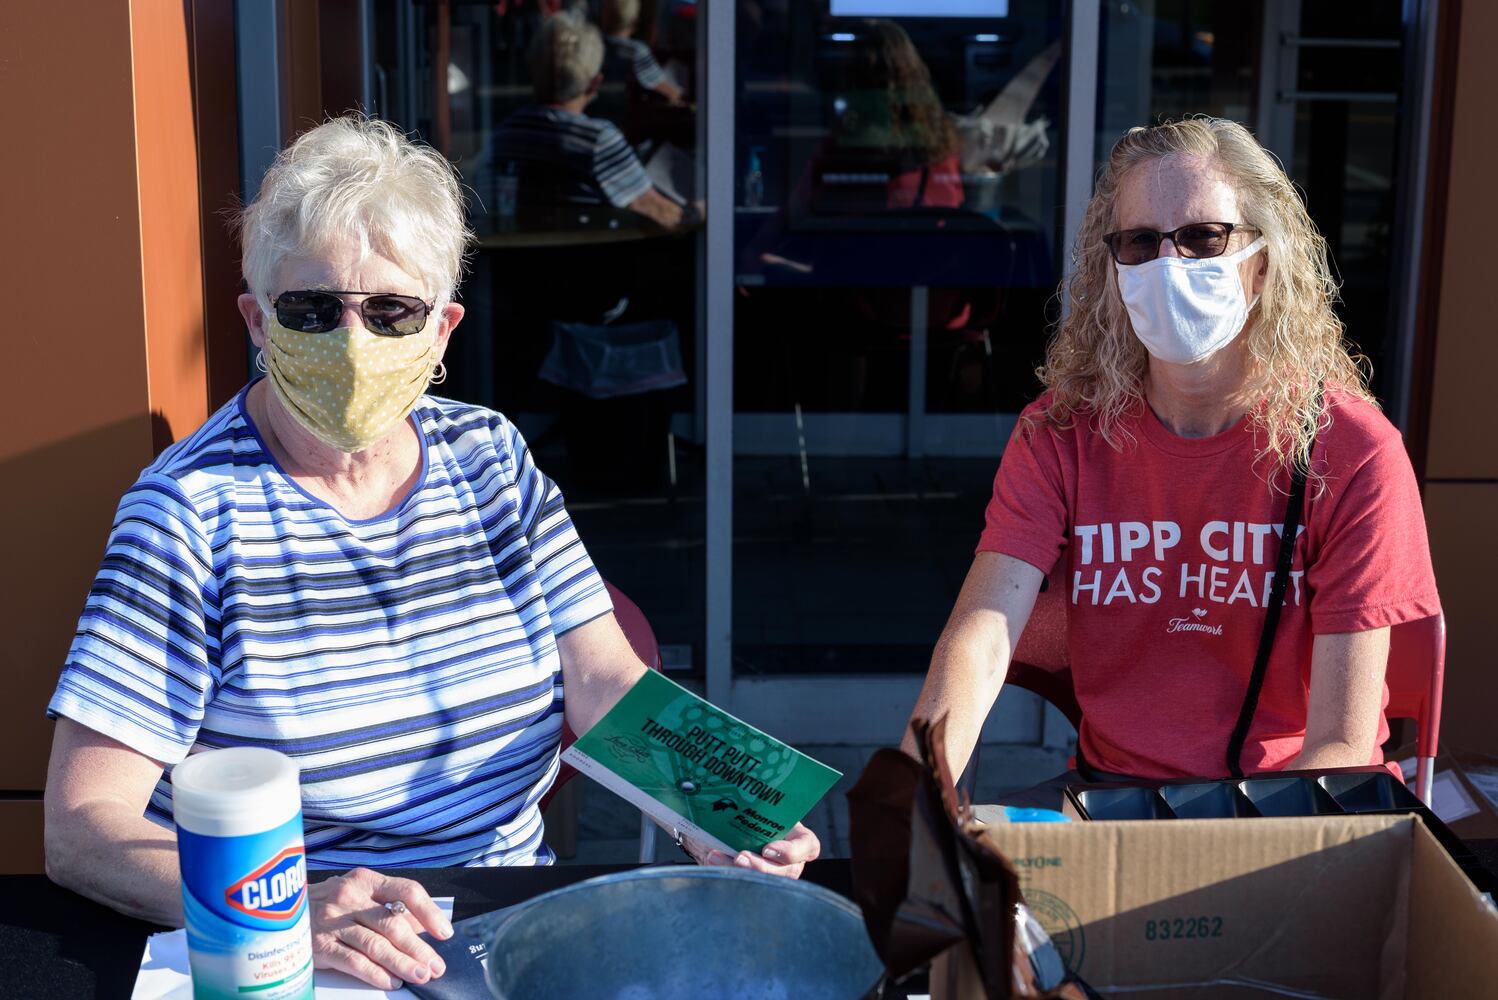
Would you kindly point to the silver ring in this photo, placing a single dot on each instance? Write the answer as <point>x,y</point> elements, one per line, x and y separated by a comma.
<point>676,836</point>
<point>396,906</point>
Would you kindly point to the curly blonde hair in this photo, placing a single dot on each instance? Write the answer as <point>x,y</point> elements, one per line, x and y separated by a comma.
<point>1095,366</point>
<point>911,117</point>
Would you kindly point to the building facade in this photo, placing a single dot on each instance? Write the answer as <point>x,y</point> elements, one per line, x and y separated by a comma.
<point>846,345</point>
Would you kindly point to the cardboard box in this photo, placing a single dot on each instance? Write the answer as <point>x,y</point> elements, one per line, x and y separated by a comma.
<point>1335,906</point>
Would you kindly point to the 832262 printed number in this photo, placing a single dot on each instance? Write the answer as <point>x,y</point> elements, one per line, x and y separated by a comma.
<point>1182,928</point>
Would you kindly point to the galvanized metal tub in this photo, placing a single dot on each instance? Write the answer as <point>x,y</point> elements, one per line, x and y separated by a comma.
<point>683,932</point>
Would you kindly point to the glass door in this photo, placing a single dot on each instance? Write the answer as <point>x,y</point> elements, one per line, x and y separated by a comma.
<point>904,191</point>
<point>898,191</point>
<point>575,130</point>
<point>1322,90</point>
<point>794,493</point>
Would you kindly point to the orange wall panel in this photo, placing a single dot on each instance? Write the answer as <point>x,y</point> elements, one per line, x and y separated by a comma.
<point>216,107</point>
<point>102,261</point>
<point>170,237</point>
<point>75,424</point>
<point>72,225</point>
<point>1464,545</point>
<point>21,837</point>
<point>1461,493</point>
<point>1463,443</point>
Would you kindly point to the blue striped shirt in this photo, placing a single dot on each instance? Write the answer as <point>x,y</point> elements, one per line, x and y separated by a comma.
<point>408,662</point>
<point>584,158</point>
<point>631,57</point>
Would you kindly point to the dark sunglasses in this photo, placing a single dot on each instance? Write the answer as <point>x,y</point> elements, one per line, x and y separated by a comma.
<point>1196,239</point>
<point>384,314</point>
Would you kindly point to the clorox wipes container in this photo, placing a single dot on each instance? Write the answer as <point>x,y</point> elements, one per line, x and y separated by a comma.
<point>244,875</point>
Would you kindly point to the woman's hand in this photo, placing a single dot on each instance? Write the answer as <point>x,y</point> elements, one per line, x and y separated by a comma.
<point>354,932</point>
<point>780,857</point>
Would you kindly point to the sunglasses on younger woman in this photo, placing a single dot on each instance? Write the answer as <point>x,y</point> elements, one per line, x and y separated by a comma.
<point>1195,239</point>
<point>319,311</point>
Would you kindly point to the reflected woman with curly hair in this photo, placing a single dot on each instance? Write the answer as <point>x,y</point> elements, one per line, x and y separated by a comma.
<point>1201,406</point>
<point>894,111</point>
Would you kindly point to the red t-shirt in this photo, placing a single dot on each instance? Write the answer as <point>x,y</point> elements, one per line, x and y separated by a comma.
<point>942,187</point>
<point>1168,549</point>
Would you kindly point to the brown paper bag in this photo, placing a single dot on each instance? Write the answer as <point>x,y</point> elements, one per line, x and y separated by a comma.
<point>929,887</point>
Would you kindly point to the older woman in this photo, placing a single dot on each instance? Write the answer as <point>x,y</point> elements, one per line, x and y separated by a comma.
<point>379,583</point>
<point>1199,373</point>
<point>571,156</point>
<point>627,58</point>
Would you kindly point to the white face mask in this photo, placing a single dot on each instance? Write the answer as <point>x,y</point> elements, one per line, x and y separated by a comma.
<point>1184,309</point>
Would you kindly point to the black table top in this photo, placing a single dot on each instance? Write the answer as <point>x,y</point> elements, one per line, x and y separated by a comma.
<point>55,943</point>
<point>1486,852</point>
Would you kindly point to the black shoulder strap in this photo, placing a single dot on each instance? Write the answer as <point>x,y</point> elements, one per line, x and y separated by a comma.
<point>920,192</point>
<point>1271,620</point>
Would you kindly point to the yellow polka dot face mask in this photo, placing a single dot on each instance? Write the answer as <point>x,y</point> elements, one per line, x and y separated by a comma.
<point>348,386</point>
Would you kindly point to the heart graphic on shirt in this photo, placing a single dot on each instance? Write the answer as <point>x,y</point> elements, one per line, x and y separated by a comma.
<point>1199,612</point>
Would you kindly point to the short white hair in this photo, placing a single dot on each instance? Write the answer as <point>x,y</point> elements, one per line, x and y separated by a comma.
<point>565,56</point>
<point>357,180</point>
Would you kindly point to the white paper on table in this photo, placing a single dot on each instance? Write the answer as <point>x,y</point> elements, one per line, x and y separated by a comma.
<point>673,171</point>
<point>164,972</point>
<point>1449,800</point>
<point>1486,782</point>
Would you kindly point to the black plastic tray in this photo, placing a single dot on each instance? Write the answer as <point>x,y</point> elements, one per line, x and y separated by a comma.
<point>1363,791</point>
<point>1331,792</point>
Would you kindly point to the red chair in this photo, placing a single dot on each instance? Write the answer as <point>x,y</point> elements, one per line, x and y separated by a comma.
<point>642,640</point>
<point>1415,676</point>
<point>1042,662</point>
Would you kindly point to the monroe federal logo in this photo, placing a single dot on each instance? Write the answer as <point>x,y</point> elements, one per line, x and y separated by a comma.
<point>1196,623</point>
<point>273,891</point>
<point>628,748</point>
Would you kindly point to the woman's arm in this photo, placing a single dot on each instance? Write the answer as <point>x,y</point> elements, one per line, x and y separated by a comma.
<point>972,657</point>
<point>1347,686</point>
<point>100,845</point>
<point>598,667</point>
<point>659,209</point>
<point>98,841</point>
<point>669,91</point>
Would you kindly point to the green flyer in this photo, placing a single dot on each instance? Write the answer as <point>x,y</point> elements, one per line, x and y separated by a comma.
<point>698,769</point>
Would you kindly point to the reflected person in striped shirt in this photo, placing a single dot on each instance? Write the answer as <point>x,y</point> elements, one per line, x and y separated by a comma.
<point>559,154</point>
<point>377,582</point>
<point>630,59</point>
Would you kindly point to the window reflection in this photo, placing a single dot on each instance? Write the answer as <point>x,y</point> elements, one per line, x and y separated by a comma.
<point>573,125</point>
<point>905,129</point>
<point>896,233</point>
<point>631,63</point>
<point>562,161</point>
<point>1323,95</point>
<point>890,142</point>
